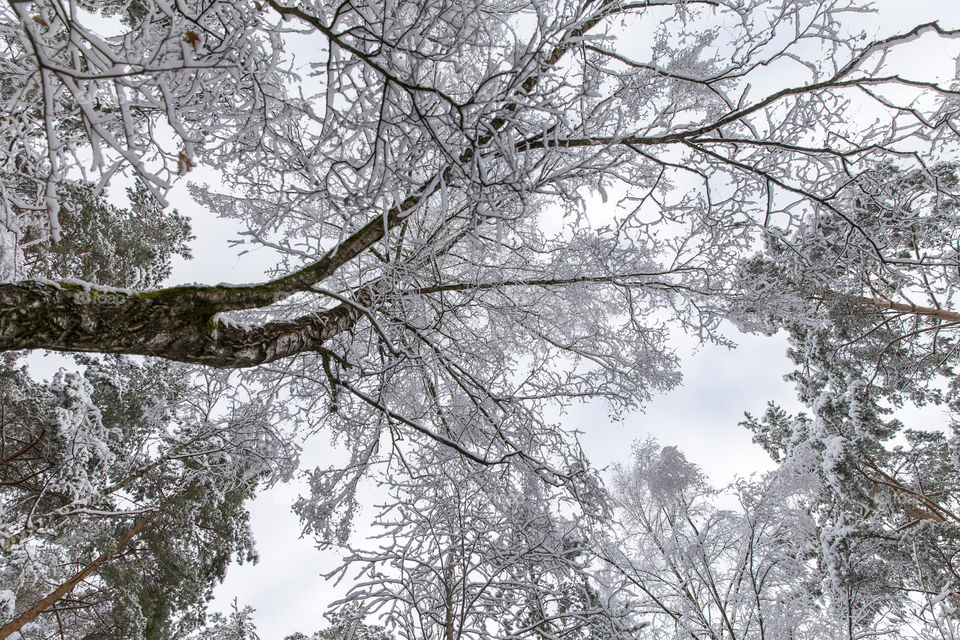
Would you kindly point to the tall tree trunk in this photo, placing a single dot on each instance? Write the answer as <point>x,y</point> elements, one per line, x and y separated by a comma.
<point>927,312</point>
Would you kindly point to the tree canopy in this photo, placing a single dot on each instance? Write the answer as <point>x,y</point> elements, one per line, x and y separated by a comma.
<point>482,210</point>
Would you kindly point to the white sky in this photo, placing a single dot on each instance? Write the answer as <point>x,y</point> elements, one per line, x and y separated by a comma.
<point>700,417</point>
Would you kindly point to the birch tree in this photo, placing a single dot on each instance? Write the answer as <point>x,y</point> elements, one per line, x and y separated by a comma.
<point>446,140</point>
<point>691,569</point>
<point>424,182</point>
<point>461,552</point>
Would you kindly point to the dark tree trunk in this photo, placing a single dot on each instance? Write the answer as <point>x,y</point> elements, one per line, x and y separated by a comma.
<point>177,324</point>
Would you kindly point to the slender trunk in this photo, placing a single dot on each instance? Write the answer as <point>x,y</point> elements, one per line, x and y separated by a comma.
<point>929,312</point>
<point>448,586</point>
<point>65,588</point>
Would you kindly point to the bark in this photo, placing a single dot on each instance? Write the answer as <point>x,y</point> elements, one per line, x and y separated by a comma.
<point>66,587</point>
<point>172,324</point>
<point>928,312</point>
<point>16,455</point>
<point>178,323</point>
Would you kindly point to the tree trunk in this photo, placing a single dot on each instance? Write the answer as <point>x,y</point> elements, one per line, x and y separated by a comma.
<point>928,312</point>
<point>177,324</point>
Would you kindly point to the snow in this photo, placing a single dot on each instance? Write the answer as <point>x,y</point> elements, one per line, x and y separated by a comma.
<point>8,603</point>
<point>10,256</point>
<point>833,459</point>
<point>224,320</point>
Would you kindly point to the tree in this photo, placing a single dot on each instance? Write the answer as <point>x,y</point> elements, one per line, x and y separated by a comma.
<point>107,245</point>
<point>122,494</point>
<point>465,553</point>
<point>691,569</point>
<point>237,626</point>
<point>886,514</point>
<point>345,624</point>
<point>121,506</point>
<point>866,294</point>
<point>876,281</point>
<point>410,190</point>
<point>399,144</point>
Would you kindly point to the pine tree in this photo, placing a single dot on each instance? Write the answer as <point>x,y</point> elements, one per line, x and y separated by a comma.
<point>128,248</point>
<point>238,625</point>
<point>87,456</point>
<point>345,623</point>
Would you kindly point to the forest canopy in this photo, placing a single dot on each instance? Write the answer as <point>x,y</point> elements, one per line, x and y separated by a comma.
<point>483,211</point>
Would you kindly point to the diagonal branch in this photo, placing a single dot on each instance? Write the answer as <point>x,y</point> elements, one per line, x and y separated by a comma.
<point>178,323</point>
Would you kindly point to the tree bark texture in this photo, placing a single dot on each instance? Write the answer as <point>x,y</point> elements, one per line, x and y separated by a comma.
<point>178,323</point>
